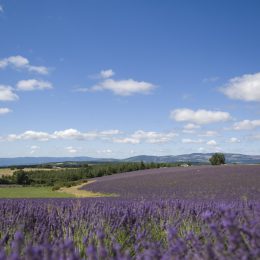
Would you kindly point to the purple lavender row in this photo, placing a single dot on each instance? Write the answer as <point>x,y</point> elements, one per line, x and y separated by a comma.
<point>128,229</point>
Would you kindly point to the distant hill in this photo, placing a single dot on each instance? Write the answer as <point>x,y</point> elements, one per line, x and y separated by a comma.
<point>196,158</point>
<point>193,158</point>
<point>43,160</point>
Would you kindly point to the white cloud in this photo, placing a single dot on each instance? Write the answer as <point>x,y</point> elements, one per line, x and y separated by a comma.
<point>246,125</point>
<point>191,126</point>
<point>126,140</point>
<point>246,87</point>
<point>39,69</point>
<point>7,94</point>
<point>154,137</point>
<point>209,133</point>
<point>29,135</point>
<point>104,74</point>
<point>75,134</point>
<point>191,141</point>
<point>110,135</point>
<point>233,140</point>
<point>4,110</point>
<point>71,149</point>
<point>200,116</point>
<point>33,84</point>
<point>67,134</point>
<point>35,147</point>
<point>201,150</point>
<point>41,136</point>
<point>148,137</point>
<point>124,87</point>
<point>20,62</point>
<point>188,131</point>
<point>105,151</point>
<point>212,143</point>
<point>1,9</point>
<point>110,132</point>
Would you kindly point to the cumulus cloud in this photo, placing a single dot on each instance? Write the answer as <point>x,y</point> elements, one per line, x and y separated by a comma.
<point>200,116</point>
<point>75,134</point>
<point>67,134</point>
<point>246,87</point>
<point>108,135</point>
<point>20,62</point>
<point>7,94</point>
<point>191,126</point>
<point>4,110</point>
<point>212,143</point>
<point>154,137</point>
<point>246,125</point>
<point>124,87</point>
<point>29,135</point>
<point>192,141</point>
<point>104,74</point>
<point>147,136</point>
<point>233,140</point>
<point>126,140</point>
<point>33,84</point>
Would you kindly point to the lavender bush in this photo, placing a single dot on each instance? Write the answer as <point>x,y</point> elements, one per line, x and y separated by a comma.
<point>126,229</point>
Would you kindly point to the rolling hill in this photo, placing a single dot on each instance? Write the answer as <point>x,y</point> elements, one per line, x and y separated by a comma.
<point>201,158</point>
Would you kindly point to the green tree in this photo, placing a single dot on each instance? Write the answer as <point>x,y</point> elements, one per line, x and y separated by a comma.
<point>217,159</point>
<point>142,165</point>
<point>22,177</point>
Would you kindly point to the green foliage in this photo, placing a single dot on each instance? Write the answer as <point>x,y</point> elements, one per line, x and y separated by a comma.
<point>69,184</point>
<point>6,180</point>
<point>217,159</point>
<point>69,176</point>
<point>22,178</point>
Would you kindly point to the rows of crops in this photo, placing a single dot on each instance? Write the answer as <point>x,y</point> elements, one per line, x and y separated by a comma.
<point>227,183</point>
<point>116,229</point>
<point>137,227</point>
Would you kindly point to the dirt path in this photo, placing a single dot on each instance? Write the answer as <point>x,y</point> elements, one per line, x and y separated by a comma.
<point>77,192</point>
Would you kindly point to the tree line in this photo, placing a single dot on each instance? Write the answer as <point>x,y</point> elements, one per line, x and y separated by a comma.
<point>68,177</point>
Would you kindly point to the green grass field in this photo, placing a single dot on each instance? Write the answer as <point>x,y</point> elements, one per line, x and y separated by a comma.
<point>32,192</point>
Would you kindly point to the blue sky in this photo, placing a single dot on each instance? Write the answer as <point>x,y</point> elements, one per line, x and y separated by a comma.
<point>112,78</point>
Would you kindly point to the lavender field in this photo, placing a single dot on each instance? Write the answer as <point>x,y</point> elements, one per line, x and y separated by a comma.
<point>226,182</point>
<point>172,213</point>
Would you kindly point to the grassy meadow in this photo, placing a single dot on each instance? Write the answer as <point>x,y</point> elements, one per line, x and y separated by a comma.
<point>32,192</point>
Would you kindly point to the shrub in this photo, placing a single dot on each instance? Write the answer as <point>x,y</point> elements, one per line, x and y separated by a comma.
<point>22,177</point>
